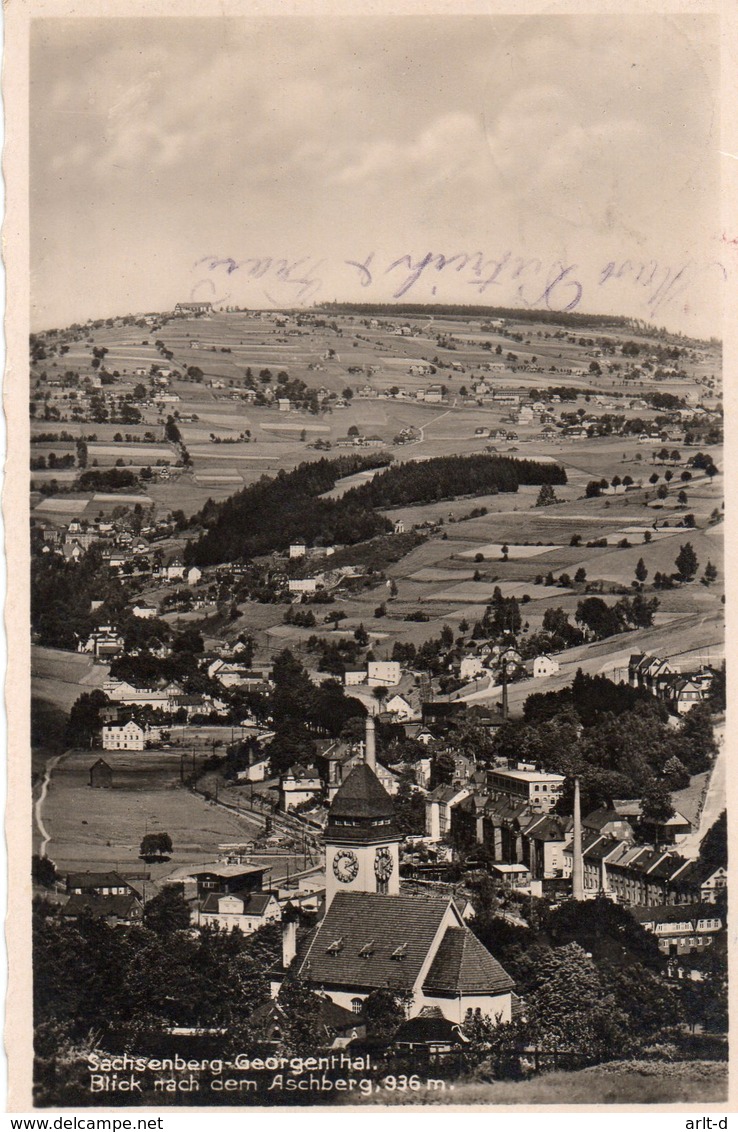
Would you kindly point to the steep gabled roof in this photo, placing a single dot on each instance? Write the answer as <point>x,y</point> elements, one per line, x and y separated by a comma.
<point>380,926</point>
<point>463,965</point>
<point>123,907</point>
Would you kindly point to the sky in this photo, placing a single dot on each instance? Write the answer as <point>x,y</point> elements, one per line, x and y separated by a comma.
<point>568,162</point>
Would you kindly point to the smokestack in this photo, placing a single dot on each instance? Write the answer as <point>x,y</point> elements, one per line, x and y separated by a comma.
<point>577,871</point>
<point>370,754</point>
<point>289,939</point>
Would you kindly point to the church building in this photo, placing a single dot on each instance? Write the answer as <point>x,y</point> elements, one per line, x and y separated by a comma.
<point>373,936</point>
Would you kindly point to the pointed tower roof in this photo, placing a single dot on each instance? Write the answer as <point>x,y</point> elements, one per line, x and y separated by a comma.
<point>361,796</point>
<point>362,810</point>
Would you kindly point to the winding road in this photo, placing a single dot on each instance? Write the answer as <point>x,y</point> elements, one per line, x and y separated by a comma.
<point>38,807</point>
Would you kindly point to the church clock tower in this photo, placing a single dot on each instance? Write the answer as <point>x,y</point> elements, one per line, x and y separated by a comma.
<point>361,839</point>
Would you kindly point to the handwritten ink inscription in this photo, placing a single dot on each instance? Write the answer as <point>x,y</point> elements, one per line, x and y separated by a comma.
<point>507,277</point>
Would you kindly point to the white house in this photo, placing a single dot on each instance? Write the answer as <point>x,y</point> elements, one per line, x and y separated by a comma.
<point>298,548</point>
<point>128,737</point>
<point>302,585</point>
<point>545,665</point>
<point>193,575</point>
<point>471,667</point>
<point>399,707</point>
<point>354,678</point>
<point>385,673</point>
<point>143,610</point>
<point>247,911</point>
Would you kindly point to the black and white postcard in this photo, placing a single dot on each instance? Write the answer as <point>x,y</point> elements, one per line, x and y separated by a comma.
<point>365,511</point>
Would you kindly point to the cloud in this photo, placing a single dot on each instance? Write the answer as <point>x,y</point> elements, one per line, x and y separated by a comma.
<point>451,146</point>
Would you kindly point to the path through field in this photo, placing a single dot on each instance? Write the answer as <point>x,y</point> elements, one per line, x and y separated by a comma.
<point>38,807</point>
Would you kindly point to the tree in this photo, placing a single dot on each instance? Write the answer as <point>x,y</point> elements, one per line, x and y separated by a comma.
<point>710,574</point>
<point>168,911</point>
<point>662,491</point>
<point>682,498</point>
<point>380,695</point>
<point>443,768</point>
<point>570,1007</point>
<point>155,845</point>
<point>641,571</point>
<point>546,496</point>
<point>600,618</point>
<point>84,723</point>
<point>384,1010</point>
<point>686,562</point>
<point>714,845</point>
<point>580,576</point>
<point>303,1030</point>
<point>656,804</point>
<point>676,775</point>
<point>43,871</point>
<point>409,807</point>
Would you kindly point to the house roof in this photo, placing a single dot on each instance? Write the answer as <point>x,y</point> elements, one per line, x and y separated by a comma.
<point>598,819</point>
<point>361,796</point>
<point>254,903</point>
<point>549,828</point>
<point>387,923</point>
<point>462,965</point>
<point>96,880</point>
<point>122,906</point>
<point>674,913</point>
<point>429,1028</point>
<point>216,868</point>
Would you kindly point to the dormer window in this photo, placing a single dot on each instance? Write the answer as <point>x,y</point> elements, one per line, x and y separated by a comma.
<point>400,952</point>
<point>335,947</point>
<point>367,950</point>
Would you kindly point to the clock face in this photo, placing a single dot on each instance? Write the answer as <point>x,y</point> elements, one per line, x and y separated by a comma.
<point>383,864</point>
<point>345,865</point>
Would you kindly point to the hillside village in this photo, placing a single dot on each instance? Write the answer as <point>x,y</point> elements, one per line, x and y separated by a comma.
<point>384,656</point>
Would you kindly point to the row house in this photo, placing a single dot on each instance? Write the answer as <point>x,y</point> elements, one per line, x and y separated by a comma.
<point>680,930</point>
<point>641,875</point>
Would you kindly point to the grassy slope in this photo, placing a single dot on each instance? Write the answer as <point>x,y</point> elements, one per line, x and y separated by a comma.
<point>617,1083</point>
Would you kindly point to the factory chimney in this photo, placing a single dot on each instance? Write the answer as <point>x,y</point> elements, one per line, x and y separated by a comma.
<point>370,753</point>
<point>577,871</point>
<point>504,690</point>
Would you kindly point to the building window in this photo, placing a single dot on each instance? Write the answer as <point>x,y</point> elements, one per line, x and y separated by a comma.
<point>356,1005</point>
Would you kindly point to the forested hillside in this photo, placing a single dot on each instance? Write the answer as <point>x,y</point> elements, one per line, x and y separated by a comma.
<point>270,514</point>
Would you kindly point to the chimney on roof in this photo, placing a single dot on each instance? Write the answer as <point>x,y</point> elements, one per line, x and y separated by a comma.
<point>289,936</point>
<point>370,751</point>
<point>577,871</point>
